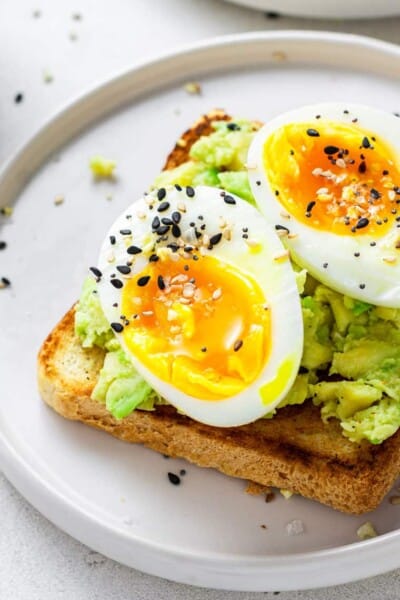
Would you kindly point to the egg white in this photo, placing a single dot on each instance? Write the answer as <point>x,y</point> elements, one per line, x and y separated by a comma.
<point>348,264</point>
<point>273,274</point>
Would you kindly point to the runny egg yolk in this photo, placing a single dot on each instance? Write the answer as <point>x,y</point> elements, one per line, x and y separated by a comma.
<point>334,177</point>
<point>202,326</point>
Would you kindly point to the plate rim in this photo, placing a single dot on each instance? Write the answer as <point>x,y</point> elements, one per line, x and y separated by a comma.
<point>262,570</point>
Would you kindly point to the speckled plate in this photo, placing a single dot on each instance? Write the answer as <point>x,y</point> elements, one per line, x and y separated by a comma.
<point>112,496</point>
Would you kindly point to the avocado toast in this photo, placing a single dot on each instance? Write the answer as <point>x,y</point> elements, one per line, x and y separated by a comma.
<point>296,449</point>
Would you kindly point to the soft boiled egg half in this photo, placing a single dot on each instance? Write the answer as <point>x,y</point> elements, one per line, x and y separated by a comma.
<point>200,292</point>
<point>327,177</point>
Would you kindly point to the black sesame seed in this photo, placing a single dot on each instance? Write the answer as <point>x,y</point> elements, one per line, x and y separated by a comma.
<point>161,193</point>
<point>155,224</point>
<point>5,281</point>
<point>96,272</point>
<point>237,345</point>
<point>385,172</point>
<point>134,250</point>
<point>116,283</point>
<point>215,239</point>
<point>142,281</point>
<point>18,98</point>
<point>174,479</point>
<point>276,192</point>
<point>233,127</point>
<point>166,221</point>
<point>325,265</point>
<point>176,217</point>
<point>154,258</point>
<point>176,230</point>
<point>331,149</point>
<point>346,112</point>
<point>375,194</point>
<point>189,191</point>
<point>163,206</point>
<point>178,187</point>
<point>281,228</point>
<point>182,472</point>
<point>312,132</point>
<point>173,247</point>
<point>204,349</point>
<point>162,229</point>
<point>291,152</point>
<point>160,282</point>
<point>245,236</point>
<point>123,269</point>
<point>362,286</point>
<point>186,267</point>
<point>365,142</point>
<point>258,182</point>
<point>192,224</point>
<point>310,206</point>
<point>117,327</point>
<point>361,223</point>
<point>271,14</point>
<point>372,244</point>
<point>356,254</point>
<point>362,167</point>
<point>3,245</point>
<point>125,232</point>
<point>112,240</point>
<point>203,227</point>
<point>396,189</point>
<point>229,199</point>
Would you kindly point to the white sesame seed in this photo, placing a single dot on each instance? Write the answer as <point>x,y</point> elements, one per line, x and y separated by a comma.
<point>282,256</point>
<point>188,290</point>
<point>341,163</point>
<point>148,313</point>
<point>253,243</point>
<point>217,294</point>
<point>179,278</point>
<point>389,259</point>
<point>181,207</point>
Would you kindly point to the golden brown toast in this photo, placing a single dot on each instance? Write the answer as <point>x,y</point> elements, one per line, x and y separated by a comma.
<point>295,450</point>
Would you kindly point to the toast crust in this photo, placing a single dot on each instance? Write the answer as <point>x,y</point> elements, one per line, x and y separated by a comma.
<point>295,450</point>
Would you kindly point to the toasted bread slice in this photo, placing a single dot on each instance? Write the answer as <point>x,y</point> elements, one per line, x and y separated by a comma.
<point>295,450</point>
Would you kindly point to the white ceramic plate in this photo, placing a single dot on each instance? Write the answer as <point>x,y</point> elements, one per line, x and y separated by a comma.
<point>323,9</point>
<point>110,495</point>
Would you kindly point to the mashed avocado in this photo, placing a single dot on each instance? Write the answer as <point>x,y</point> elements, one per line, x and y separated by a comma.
<point>351,359</point>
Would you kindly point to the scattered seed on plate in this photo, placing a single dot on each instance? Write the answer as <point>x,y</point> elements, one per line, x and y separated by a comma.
<point>6,211</point>
<point>48,77</point>
<point>192,87</point>
<point>173,478</point>
<point>18,98</point>
<point>58,200</point>
<point>366,531</point>
<point>3,245</point>
<point>4,282</point>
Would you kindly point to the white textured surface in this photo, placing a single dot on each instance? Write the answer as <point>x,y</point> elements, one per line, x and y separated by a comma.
<point>36,559</point>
